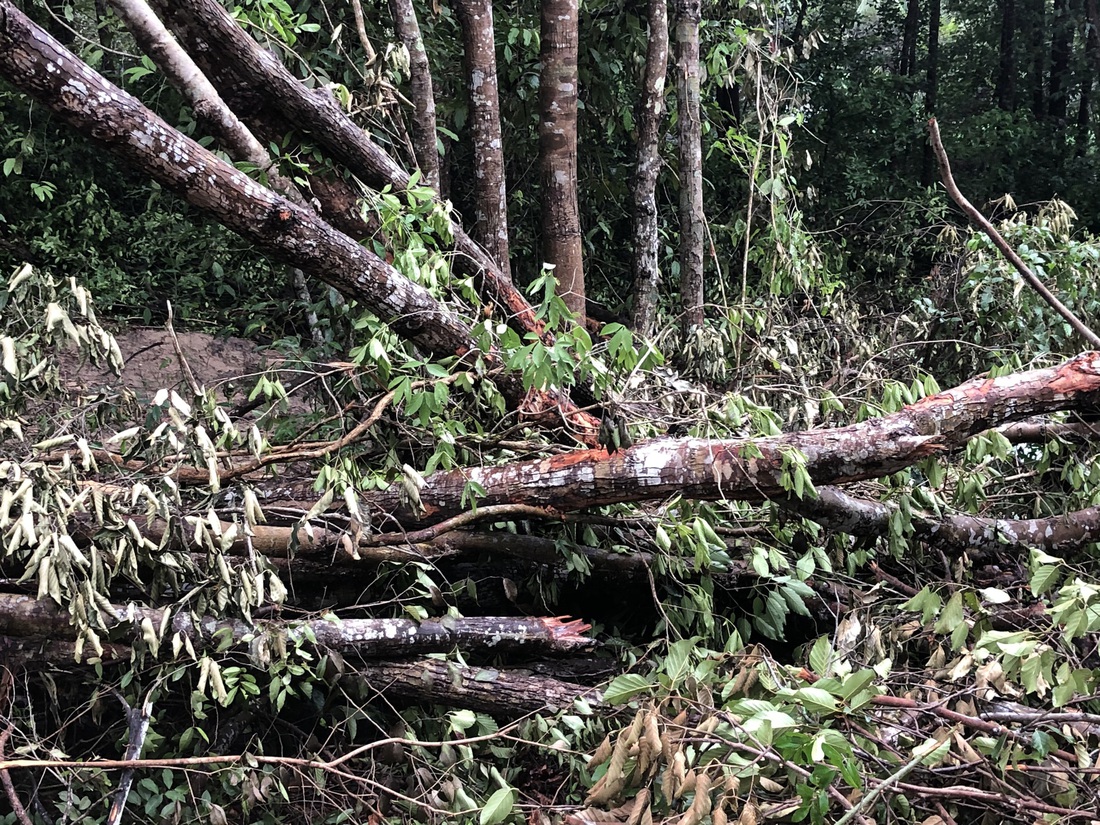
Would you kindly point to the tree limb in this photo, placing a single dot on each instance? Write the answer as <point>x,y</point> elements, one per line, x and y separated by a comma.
<point>998,240</point>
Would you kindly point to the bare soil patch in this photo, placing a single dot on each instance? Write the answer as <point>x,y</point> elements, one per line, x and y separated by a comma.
<point>151,363</point>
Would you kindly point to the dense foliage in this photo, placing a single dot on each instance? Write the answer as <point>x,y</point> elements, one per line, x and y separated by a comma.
<point>760,664</point>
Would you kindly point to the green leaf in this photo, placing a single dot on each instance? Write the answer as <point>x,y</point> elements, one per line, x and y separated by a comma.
<point>820,655</point>
<point>1044,578</point>
<point>816,699</point>
<point>625,687</point>
<point>498,807</point>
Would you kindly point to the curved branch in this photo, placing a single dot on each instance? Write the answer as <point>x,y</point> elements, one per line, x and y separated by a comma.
<point>1025,272</point>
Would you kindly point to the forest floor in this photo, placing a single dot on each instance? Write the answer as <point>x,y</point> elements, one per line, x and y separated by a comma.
<point>227,364</point>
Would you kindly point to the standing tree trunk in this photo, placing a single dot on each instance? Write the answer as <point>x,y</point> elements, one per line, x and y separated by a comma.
<point>1006,71</point>
<point>1082,139</point>
<point>423,96</point>
<point>909,35</point>
<point>561,220</point>
<point>1060,47</point>
<point>1036,29</point>
<point>647,274</point>
<point>932,86</point>
<point>688,14</point>
<point>491,208</point>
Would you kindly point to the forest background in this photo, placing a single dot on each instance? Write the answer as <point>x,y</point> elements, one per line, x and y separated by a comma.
<point>334,588</point>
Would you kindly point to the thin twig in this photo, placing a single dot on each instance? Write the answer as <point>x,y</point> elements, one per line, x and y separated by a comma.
<point>9,788</point>
<point>361,30</point>
<point>999,241</point>
<point>190,376</point>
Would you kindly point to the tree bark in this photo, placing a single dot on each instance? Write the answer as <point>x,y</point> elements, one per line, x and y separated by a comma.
<point>843,513</point>
<point>258,85</point>
<point>651,109</point>
<point>40,618</point>
<point>909,35</point>
<point>688,15</point>
<point>1060,52</point>
<point>488,690</point>
<point>561,220</point>
<point>1006,70</point>
<point>752,470</point>
<point>421,91</point>
<point>931,89</point>
<point>490,192</point>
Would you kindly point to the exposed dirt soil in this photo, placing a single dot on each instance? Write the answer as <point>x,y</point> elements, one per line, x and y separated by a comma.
<point>151,363</point>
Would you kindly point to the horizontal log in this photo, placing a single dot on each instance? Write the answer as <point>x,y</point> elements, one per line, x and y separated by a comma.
<point>498,692</point>
<point>26,616</point>
<point>755,469</point>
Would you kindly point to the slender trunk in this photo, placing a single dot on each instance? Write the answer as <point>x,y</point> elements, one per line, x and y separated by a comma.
<point>1036,24</point>
<point>1060,52</point>
<point>909,39</point>
<point>420,86</point>
<point>490,195</point>
<point>1092,69</point>
<point>647,274</point>
<point>561,222</point>
<point>1082,140</point>
<point>688,14</point>
<point>928,173</point>
<point>106,35</point>
<point>800,21</point>
<point>1006,72</point>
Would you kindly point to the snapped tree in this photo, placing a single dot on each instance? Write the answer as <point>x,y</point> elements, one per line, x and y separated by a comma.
<point>133,548</point>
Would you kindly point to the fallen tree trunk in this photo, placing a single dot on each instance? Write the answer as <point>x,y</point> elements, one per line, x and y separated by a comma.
<point>41,618</point>
<point>843,513</point>
<point>484,689</point>
<point>760,469</point>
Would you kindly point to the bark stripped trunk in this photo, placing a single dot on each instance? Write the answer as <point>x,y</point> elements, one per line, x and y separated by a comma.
<point>1006,71</point>
<point>1060,49</point>
<point>422,93</point>
<point>688,15</point>
<point>700,469</point>
<point>647,273</point>
<point>490,193</point>
<point>928,172</point>
<point>561,220</point>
